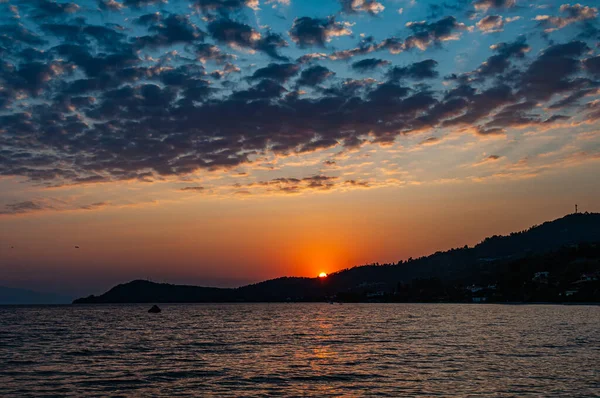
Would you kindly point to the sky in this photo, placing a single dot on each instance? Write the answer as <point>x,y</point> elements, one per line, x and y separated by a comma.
<point>223,142</point>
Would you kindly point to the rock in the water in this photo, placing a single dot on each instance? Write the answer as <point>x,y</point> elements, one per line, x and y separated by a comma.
<point>154,309</point>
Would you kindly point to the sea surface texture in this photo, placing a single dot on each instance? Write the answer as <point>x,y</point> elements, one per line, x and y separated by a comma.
<point>320,350</point>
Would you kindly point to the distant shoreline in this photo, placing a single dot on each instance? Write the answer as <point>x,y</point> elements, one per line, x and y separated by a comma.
<point>552,263</point>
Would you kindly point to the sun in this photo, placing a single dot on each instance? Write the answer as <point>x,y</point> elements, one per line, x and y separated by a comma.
<point>323,275</point>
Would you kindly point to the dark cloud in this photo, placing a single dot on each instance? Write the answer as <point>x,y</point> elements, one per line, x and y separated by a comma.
<point>270,43</point>
<point>182,76</point>
<point>571,49</point>
<point>193,189</point>
<point>555,118</point>
<point>500,62</point>
<point>277,72</point>
<point>418,70</point>
<point>208,52</point>
<point>593,109</point>
<point>141,3</point>
<point>233,33</point>
<point>175,29</point>
<point>482,104</point>
<point>461,91</point>
<point>369,64</point>
<point>314,75</point>
<point>491,131</point>
<point>444,110</point>
<point>550,73</point>
<point>94,206</point>
<point>589,31</point>
<point>426,34</point>
<point>222,7</point>
<point>148,19</point>
<point>349,88</point>
<point>307,32</point>
<point>96,66</point>
<point>318,144</point>
<point>85,35</point>
<point>32,77</point>
<point>110,5</point>
<point>22,207</point>
<point>573,98</point>
<point>393,45</point>
<point>17,34</point>
<point>265,89</point>
<point>237,34</point>
<point>388,92</point>
<point>367,45</point>
<point>51,9</point>
<point>592,65</point>
<point>34,55</point>
<point>355,183</point>
<point>297,185</point>
<point>514,115</point>
<point>430,141</point>
<point>310,57</point>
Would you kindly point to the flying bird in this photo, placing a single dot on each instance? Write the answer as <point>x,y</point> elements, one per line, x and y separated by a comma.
<point>76,247</point>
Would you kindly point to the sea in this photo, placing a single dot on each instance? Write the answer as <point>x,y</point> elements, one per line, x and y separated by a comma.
<point>321,350</point>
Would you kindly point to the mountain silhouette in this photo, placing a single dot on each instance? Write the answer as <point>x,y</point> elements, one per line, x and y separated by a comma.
<point>568,246</point>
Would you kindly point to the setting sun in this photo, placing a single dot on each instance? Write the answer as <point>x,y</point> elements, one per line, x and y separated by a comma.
<point>322,275</point>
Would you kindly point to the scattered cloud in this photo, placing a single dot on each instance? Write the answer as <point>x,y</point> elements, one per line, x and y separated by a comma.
<point>484,5</point>
<point>571,14</point>
<point>192,189</point>
<point>370,6</point>
<point>418,70</point>
<point>426,34</point>
<point>369,64</point>
<point>314,75</point>
<point>308,32</point>
<point>491,24</point>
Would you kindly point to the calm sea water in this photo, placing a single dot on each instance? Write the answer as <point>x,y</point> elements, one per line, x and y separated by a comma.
<point>300,349</point>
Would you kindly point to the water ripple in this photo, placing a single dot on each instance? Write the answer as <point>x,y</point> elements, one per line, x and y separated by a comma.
<point>255,350</point>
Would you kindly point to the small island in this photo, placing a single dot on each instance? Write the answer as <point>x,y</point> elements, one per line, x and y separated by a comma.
<point>154,310</point>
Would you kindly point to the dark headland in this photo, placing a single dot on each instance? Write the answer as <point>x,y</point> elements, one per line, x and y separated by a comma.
<point>558,261</point>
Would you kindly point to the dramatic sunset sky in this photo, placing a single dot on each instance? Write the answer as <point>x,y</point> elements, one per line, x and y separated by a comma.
<point>221,142</point>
